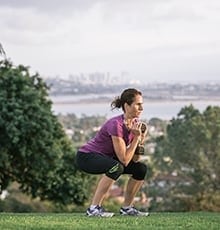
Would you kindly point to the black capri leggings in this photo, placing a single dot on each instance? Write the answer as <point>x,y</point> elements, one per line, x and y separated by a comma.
<point>95,163</point>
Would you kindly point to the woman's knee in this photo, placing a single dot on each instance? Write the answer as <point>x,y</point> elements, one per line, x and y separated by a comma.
<point>115,171</point>
<point>140,171</point>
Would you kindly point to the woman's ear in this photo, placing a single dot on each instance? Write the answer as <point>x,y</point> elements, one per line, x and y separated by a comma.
<point>125,106</point>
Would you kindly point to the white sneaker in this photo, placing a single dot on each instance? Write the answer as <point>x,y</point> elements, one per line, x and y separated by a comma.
<point>98,211</point>
<point>131,211</point>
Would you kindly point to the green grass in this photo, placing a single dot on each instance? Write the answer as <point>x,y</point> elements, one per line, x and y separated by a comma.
<point>160,220</point>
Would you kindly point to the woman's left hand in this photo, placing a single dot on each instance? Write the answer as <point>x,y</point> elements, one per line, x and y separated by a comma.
<point>136,158</point>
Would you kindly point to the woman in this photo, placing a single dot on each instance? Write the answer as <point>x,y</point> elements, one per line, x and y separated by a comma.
<point>112,153</point>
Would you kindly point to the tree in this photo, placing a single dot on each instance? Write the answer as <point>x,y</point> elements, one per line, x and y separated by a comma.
<point>34,149</point>
<point>2,52</point>
<point>190,152</point>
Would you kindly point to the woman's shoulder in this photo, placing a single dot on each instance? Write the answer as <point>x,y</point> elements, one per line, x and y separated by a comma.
<point>118,119</point>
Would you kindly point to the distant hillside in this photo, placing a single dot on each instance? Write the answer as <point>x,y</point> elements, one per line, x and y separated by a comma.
<point>154,91</point>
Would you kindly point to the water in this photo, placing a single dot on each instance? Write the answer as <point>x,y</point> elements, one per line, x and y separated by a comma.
<point>161,109</point>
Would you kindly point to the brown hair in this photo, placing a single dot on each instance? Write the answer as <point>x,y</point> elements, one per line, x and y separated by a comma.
<point>127,96</point>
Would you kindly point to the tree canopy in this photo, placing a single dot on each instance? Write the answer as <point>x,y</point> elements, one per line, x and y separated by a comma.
<point>34,150</point>
<point>190,153</point>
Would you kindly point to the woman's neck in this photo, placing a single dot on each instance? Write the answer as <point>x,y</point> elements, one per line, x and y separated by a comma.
<point>128,121</point>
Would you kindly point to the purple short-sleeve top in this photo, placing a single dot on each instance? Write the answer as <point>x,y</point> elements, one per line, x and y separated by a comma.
<point>102,142</point>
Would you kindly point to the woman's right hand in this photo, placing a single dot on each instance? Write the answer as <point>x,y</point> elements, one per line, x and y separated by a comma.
<point>136,128</point>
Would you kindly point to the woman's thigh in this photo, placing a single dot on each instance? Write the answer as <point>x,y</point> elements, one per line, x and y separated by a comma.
<point>94,163</point>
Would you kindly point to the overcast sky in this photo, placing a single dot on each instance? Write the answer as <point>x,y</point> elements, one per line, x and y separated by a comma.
<point>152,40</point>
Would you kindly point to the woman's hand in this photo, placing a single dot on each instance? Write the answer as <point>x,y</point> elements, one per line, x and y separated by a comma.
<point>136,128</point>
<point>144,131</point>
<point>136,158</point>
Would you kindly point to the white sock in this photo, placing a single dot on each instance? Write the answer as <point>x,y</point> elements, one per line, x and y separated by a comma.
<point>93,206</point>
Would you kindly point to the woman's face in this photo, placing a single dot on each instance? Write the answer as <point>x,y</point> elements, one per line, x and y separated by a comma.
<point>136,108</point>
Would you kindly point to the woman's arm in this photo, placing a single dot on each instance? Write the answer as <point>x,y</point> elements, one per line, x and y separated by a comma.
<point>124,153</point>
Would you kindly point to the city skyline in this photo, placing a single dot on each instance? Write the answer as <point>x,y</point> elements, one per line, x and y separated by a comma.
<point>151,41</point>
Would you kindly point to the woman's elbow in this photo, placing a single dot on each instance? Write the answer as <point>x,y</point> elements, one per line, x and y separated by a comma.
<point>125,162</point>
<point>123,158</point>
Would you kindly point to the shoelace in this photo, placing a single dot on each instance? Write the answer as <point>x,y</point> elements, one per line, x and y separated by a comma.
<point>100,208</point>
<point>133,210</point>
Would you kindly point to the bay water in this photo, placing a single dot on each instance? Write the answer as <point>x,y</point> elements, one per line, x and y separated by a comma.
<point>165,110</point>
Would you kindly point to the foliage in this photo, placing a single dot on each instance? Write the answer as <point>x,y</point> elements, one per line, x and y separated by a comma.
<point>2,52</point>
<point>188,159</point>
<point>84,127</point>
<point>34,150</point>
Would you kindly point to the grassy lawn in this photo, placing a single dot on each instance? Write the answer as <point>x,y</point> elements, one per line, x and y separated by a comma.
<point>160,220</point>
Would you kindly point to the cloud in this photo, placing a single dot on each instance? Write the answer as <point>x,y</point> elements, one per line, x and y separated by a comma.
<point>49,6</point>
<point>157,37</point>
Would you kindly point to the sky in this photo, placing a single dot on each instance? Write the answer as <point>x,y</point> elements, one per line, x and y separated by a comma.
<point>149,40</point>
